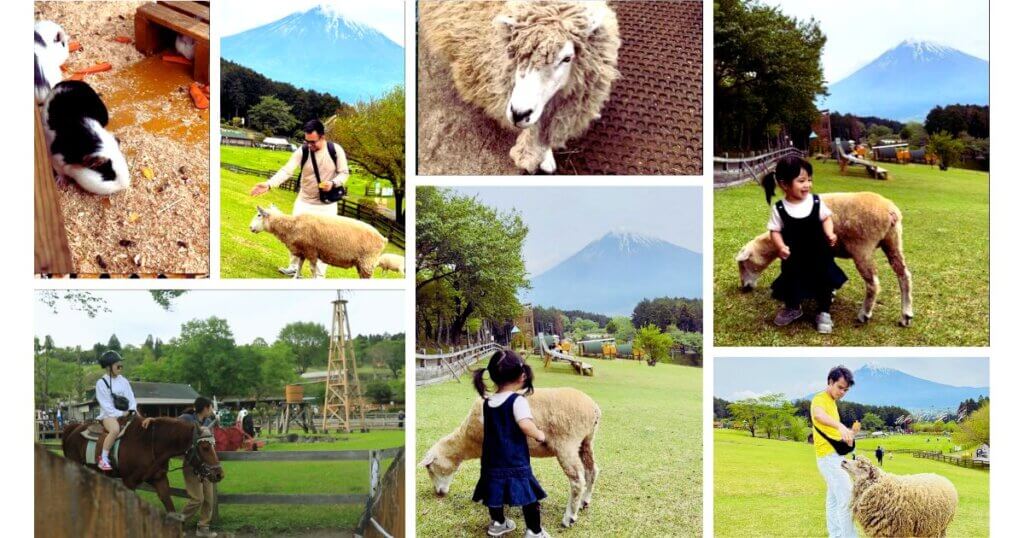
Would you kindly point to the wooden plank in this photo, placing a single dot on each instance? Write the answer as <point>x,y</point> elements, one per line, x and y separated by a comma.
<point>192,9</point>
<point>305,455</point>
<point>52,254</point>
<point>176,21</point>
<point>273,498</point>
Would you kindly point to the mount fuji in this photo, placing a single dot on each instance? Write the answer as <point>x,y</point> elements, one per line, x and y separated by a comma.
<point>612,274</point>
<point>910,79</point>
<point>322,51</point>
<point>877,385</point>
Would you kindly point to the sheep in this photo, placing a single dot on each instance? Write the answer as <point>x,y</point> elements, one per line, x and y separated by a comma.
<point>900,505</point>
<point>545,67</point>
<point>392,262</point>
<point>338,241</point>
<point>863,221</point>
<point>569,419</point>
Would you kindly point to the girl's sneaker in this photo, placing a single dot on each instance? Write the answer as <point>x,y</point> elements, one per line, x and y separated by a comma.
<point>498,529</point>
<point>542,534</point>
<point>823,321</point>
<point>105,465</point>
<point>785,316</point>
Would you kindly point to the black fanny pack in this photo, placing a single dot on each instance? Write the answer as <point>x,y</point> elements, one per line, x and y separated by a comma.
<point>338,191</point>
<point>120,402</point>
<point>840,446</point>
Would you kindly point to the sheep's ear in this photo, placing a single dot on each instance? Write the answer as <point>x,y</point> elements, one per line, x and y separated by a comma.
<point>503,22</point>
<point>260,211</point>
<point>596,14</point>
<point>744,255</point>
<point>428,459</point>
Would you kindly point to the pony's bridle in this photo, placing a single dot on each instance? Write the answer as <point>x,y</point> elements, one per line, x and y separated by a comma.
<point>193,459</point>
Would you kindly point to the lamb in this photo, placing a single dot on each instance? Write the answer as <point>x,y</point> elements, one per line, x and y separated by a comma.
<point>863,221</point>
<point>567,416</point>
<point>338,241</point>
<point>892,505</point>
<point>392,262</point>
<point>544,67</point>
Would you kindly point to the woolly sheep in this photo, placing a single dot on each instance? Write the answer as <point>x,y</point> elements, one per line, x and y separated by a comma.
<point>545,67</point>
<point>863,221</point>
<point>569,419</point>
<point>338,241</point>
<point>900,505</point>
<point>392,262</point>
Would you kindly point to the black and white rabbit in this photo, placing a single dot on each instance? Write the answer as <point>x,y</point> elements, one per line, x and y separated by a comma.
<point>74,118</point>
<point>51,48</point>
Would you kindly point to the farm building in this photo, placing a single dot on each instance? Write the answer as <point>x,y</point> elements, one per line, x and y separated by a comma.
<point>154,399</point>
<point>271,142</point>
<point>229,137</point>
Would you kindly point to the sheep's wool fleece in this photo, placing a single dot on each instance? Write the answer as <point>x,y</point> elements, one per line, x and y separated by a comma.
<point>904,505</point>
<point>338,241</point>
<point>483,58</point>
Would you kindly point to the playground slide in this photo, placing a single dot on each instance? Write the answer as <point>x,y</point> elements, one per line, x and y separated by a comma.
<point>876,171</point>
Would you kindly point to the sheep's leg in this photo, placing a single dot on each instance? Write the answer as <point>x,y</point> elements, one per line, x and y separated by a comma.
<point>866,268</point>
<point>548,164</point>
<point>528,153</point>
<point>298,270</point>
<point>572,465</point>
<point>364,269</point>
<point>894,252</point>
<point>589,469</point>
<point>313,269</point>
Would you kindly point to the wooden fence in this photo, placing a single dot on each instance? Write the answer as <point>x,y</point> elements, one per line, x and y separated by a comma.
<point>435,368</point>
<point>732,171</point>
<point>385,513</point>
<point>955,460</point>
<point>72,501</point>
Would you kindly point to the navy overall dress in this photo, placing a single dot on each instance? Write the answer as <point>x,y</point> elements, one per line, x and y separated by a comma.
<point>810,272</point>
<point>505,474</point>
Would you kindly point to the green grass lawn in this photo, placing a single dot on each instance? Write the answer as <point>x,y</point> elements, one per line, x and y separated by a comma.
<point>307,477</point>
<point>946,242</point>
<point>648,448</point>
<point>248,255</point>
<point>919,441</point>
<point>773,488</point>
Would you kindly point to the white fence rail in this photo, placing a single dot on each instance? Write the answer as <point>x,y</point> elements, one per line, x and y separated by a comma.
<point>434,368</point>
<point>732,171</point>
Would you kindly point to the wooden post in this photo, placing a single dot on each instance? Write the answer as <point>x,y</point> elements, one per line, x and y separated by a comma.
<point>52,254</point>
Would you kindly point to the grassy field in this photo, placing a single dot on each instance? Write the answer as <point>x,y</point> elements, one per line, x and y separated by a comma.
<point>309,477</point>
<point>648,449</point>
<point>918,441</point>
<point>946,241</point>
<point>773,488</point>
<point>248,255</point>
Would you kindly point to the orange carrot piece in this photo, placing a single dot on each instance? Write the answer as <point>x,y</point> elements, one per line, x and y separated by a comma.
<point>174,58</point>
<point>198,99</point>
<point>74,46</point>
<point>123,39</point>
<point>77,76</point>
<point>98,68</point>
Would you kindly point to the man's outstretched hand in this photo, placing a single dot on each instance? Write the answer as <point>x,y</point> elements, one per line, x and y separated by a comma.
<point>259,189</point>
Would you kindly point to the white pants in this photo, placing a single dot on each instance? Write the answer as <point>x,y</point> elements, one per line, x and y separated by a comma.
<point>838,516</point>
<point>300,207</point>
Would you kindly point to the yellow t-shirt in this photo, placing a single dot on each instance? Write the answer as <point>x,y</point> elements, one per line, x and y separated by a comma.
<point>821,446</point>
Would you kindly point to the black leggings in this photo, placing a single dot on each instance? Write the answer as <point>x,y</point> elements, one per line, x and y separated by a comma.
<point>531,512</point>
<point>823,302</point>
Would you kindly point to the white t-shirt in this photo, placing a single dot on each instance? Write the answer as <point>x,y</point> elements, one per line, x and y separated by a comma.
<point>120,386</point>
<point>798,210</point>
<point>520,407</point>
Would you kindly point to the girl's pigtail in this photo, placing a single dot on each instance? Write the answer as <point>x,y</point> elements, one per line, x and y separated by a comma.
<point>478,382</point>
<point>768,183</point>
<point>528,382</point>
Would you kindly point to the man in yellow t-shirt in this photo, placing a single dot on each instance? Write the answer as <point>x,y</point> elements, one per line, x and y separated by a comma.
<point>825,417</point>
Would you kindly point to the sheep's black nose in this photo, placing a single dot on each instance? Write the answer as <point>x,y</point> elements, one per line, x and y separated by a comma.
<point>518,116</point>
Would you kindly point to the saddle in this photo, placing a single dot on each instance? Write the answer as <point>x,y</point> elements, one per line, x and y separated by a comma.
<point>95,434</point>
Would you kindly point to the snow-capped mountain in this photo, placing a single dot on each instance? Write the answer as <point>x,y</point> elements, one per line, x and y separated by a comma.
<point>910,79</point>
<point>322,51</point>
<point>612,274</point>
<point>877,385</point>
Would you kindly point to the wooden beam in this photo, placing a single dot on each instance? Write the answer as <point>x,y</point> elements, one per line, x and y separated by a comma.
<point>192,9</point>
<point>52,254</point>
<point>179,22</point>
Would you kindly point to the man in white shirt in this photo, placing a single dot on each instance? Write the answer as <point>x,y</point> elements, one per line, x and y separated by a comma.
<point>332,174</point>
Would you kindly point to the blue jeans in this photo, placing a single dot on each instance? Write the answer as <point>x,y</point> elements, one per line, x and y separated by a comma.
<point>838,516</point>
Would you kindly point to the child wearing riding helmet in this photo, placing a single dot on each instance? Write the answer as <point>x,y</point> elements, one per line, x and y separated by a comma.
<point>802,230</point>
<point>116,399</point>
<point>506,477</point>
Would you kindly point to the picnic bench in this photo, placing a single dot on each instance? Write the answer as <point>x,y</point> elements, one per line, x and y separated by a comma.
<point>157,25</point>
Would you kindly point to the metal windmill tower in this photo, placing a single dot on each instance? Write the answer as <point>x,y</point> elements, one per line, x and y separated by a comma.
<point>343,397</point>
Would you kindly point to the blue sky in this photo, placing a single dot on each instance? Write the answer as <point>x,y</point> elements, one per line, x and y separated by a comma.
<point>858,32</point>
<point>563,220</point>
<point>250,313</point>
<point>737,378</point>
<point>385,16</point>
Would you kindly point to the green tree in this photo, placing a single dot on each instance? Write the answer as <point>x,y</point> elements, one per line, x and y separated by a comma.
<point>373,136</point>
<point>308,343</point>
<point>872,422</point>
<point>380,392</point>
<point>204,356</point>
<point>273,115</point>
<point>915,134</point>
<point>165,298</point>
<point>947,148</point>
<point>652,343</point>
<point>113,344</point>
<point>624,330</point>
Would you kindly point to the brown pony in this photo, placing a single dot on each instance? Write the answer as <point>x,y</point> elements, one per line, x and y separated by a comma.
<point>144,453</point>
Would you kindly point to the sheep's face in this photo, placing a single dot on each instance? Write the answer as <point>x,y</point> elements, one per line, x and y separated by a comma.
<point>259,220</point>
<point>441,470</point>
<point>542,41</point>
<point>753,260</point>
<point>860,470</point>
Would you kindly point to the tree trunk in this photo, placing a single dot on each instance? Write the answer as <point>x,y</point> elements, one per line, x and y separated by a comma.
<point>460,320</point>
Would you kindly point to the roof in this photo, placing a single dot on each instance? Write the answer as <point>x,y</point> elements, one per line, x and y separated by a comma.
<point>274,140</point>
<point>228,133</point>
<point>147,393</point>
